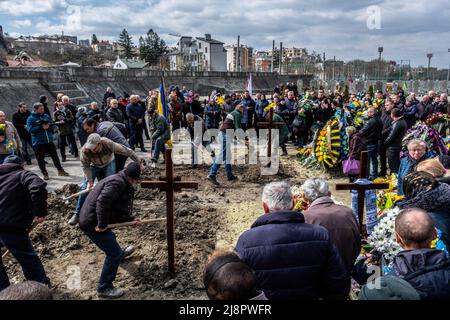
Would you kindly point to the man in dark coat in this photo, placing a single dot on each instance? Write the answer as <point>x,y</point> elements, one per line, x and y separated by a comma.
<point>393,143</point>
<point>292,260</point>
<point>372,132</point>
<point>108,94</point>
<point>427,270</point>
<point>386,119</point>
<point>19,121</point>
<point>136,118</point>
<point>110,201</point>
<point>23,199</point>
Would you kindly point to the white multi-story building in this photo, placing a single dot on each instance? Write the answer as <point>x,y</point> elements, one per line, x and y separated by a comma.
<point>199,54</point>
<point>245,58</point>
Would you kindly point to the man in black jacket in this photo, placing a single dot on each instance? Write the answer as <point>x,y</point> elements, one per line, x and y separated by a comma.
<point>387,123</point>
<point>19,121</point>
<point>23,199</point>
<point>393,143</point>
<point>427,270</point>
<point>372,133</point>
<point>110,201</point>
<point>292,260</point>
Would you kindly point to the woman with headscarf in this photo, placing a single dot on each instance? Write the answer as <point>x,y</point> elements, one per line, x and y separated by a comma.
<point>423,191</point>
<point>417,152</point>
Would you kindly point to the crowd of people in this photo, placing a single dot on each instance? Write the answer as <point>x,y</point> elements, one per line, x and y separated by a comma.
<point>285,255</point>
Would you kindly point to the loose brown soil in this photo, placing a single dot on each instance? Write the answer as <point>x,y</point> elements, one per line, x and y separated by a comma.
<point>205,219</point>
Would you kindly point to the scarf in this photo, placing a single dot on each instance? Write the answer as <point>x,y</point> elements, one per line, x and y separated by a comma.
<point>430,199</point>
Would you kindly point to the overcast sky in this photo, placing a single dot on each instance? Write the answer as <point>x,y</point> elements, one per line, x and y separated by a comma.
<point>347,29</point>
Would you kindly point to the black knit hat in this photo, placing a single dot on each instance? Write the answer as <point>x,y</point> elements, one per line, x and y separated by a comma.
<point>133,170</point>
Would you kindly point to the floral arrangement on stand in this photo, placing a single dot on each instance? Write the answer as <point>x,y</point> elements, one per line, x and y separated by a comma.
<point>439,122</point>
<point>330,145</point>
<point>382,240</point>
<point>429,135</point>
<point>386,199</point>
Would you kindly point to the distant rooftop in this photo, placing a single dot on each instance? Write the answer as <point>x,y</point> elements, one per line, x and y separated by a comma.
<point>208,39</point>
<point>134,63</point>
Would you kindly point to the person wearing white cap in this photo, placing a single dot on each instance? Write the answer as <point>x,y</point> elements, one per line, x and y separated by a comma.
<point>98,162</point>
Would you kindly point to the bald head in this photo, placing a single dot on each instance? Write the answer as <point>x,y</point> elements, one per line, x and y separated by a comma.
<point>414,229</point>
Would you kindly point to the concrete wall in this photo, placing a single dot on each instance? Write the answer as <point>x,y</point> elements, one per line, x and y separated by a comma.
<point>27,84</point>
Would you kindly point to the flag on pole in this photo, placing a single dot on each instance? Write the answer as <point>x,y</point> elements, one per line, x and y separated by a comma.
<point>250,84</point>
<point>405,87</point>
<point>162,106</point>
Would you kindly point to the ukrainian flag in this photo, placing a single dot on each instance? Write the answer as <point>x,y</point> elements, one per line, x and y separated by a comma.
<point>162,106</point>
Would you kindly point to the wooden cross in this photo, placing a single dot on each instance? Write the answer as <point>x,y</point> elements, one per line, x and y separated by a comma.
<point>270,125</point>
<point>170,184</point>
<point>362,189</point>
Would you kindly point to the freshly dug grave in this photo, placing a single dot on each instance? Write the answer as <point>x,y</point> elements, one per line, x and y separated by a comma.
<point>205,219</point>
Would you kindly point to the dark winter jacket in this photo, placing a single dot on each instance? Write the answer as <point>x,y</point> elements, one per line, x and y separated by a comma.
<point>410,115</point>
<point>358,144</point>
<point>111,201</point>
<point>64,119</point>
<point>233,121</point>
<point>387,124</point>
<point>108,95</point>
<point>427,270</point>
<point>396,135</point>
<point>40,136</point>
<point>212,116</point>
<point>135,112</point>
<point>293,260</point>
<point>110,130</point>
<point>97,115</point>
<point>160,128</point>
<point>19,121</point>
<point>23,197</point>
<point>372,130</point>
<point>115,115</point>
<point>72,109</point>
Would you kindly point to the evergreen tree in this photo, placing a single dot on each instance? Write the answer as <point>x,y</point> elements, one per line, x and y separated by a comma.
<point>371,93</point>
<point>125,41</point>
<point>152,47</point>
<point>346,94</point>
<point>94,39</point>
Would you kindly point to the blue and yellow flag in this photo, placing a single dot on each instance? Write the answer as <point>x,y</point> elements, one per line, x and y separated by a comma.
<point>162,106</point>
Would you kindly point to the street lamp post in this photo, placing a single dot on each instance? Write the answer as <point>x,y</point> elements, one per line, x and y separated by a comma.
<point>380,51</point>
<point>448,73</point>
<point>429,56</point>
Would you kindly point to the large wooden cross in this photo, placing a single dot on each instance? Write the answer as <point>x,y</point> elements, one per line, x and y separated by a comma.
<point>170,185</point>
<point>362,189</point>
<point>270,125</point>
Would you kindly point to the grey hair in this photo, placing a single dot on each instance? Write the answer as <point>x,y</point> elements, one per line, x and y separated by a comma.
<point>417,142</point>
<point>190,116</point>
<point>278,196</point>
<point>316,188</point>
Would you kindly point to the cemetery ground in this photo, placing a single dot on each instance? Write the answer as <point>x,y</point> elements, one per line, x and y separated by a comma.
<point>205,219</point>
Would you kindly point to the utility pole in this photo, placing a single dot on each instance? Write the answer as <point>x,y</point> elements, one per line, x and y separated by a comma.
<point>281,57</point>
<point>448,73</point>
<point>238,51</point>
<point>429,56</point>
<point>273,55</point>
<point>334,62</point>
<point>380,51</point>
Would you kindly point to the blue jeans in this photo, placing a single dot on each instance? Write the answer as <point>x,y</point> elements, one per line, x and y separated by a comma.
<point>107,242</point>
<point>99,174</point>
<point>224,155</point>
<point>20,246</point>
<point>373,159</point>
<point>159,146</point>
